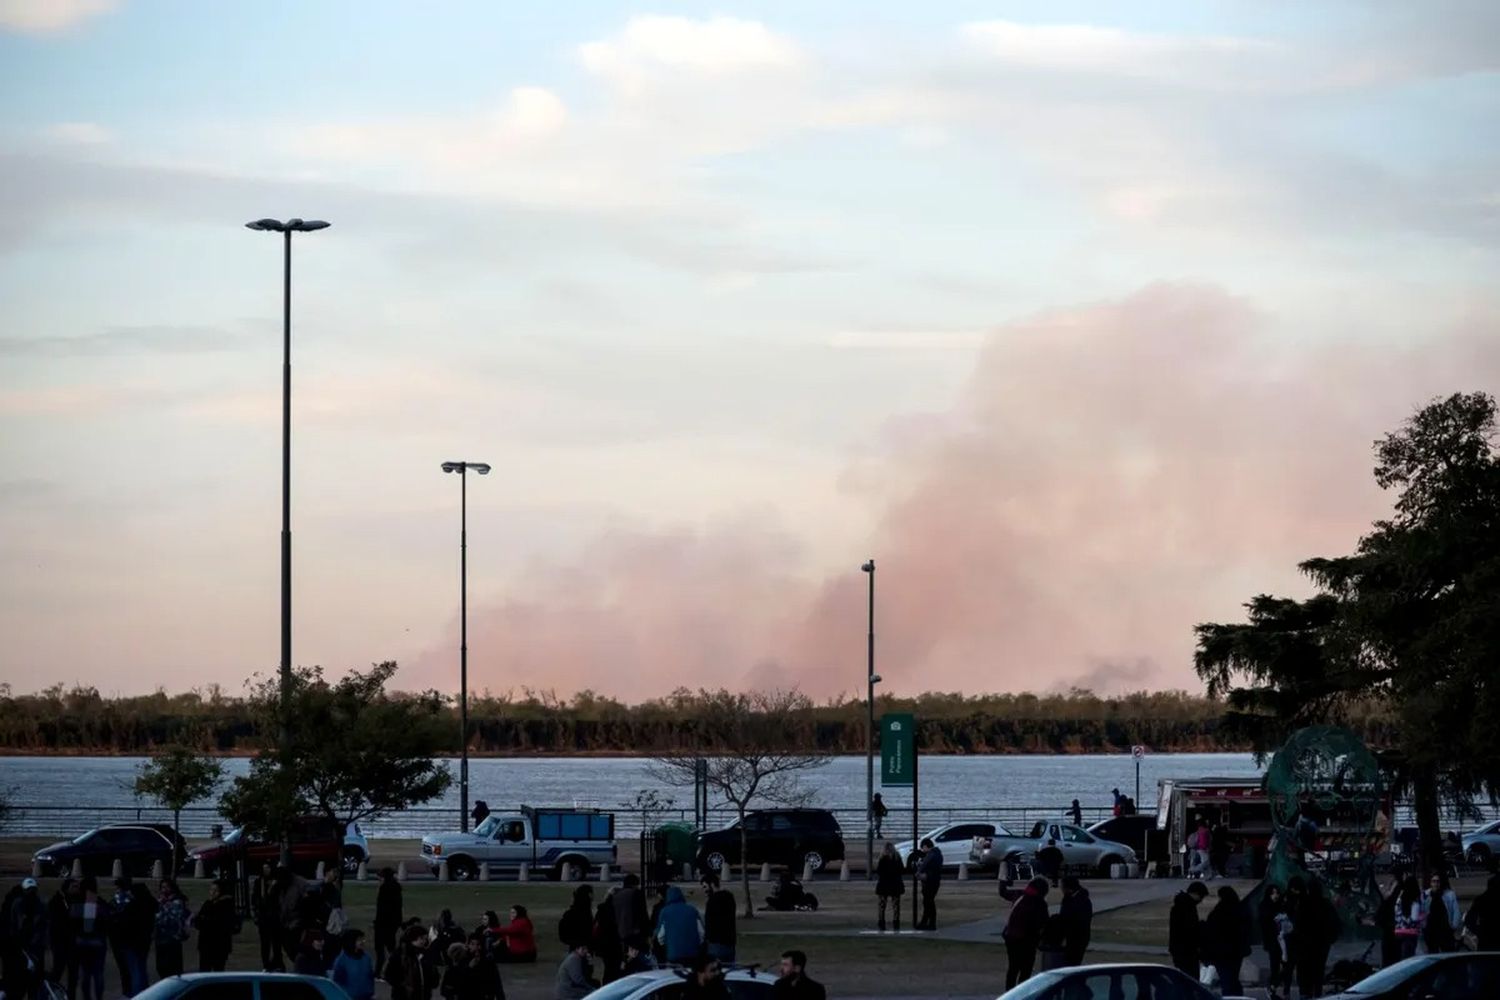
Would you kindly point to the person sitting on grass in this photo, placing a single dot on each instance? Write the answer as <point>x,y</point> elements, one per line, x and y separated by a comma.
<point>638,957</point>
<point>575,976</point>
<point>519,936</point>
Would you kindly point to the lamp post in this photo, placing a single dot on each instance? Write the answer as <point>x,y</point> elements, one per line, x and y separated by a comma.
<point>286,229</point>
<point>871,678</point>
<point>462,468</point>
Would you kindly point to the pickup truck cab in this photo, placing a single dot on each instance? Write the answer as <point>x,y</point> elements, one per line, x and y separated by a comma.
<point>546,840</point>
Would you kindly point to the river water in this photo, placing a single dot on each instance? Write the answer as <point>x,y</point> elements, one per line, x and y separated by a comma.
<point>55,794</point>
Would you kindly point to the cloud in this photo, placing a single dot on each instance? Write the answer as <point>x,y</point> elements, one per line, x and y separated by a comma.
<point>79,134</point>
<point>163,339</point>
<point>650,46</point>
<point>42,17</point>
<point>1110,476</point>
<point>1081,48</point>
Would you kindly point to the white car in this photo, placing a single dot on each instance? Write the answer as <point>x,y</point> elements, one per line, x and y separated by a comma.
<point>669,984</point>
<point>955,840</point>
<point>1483,845</point>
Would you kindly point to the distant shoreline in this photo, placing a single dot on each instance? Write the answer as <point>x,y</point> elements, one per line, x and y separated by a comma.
<point>68,752</point>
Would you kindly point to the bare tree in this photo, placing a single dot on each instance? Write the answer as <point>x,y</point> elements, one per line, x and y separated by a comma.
<point>754,748</point>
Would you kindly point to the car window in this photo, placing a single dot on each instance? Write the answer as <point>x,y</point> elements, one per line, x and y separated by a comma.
<point>1163,984</point>
<point>967,831</point>
<point>669,991</point>
<point>758,989</point>
<point>1098,986</point>
<point>220,991</point>
<point>1001,831</point>
<point>779,822</point>
<point>1073,835</point>
<point>283,990</point>
<point>515,831</point>
<point>1462,978</point>
<point>619,988</point>
<point>755,824</point>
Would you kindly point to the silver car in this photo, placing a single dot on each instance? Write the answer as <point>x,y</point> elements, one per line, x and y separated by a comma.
<point>1080,849</point>
<point>669,984</point>
<point>1002,845</point>
<point>955,840</point>
<point>1483,845</point>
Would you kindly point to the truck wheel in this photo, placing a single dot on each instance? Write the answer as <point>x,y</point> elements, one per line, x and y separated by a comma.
<point>351,860</point>
<point>1479,855</point>
<point>813,861</point>
<point>560,870</point>
<point>716,862</point>
<point>462,870</point>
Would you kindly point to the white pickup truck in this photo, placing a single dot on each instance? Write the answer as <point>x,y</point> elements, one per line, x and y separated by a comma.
<point>547,841</point>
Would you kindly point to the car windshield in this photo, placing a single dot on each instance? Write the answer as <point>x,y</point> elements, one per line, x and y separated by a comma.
<point>1390,978</point>
<point>234,836</point>
<point>488,827</point>
<point>620,988</point>
<point>1035,986</point>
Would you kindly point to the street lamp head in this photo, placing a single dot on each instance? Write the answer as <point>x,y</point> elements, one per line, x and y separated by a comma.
<point>289,226</point>
<point>309,226</point>
<point>482,468</point>
<point>266,225</point>
<point>869,567</point>
<point>874,679</point>
<point>453,466</point>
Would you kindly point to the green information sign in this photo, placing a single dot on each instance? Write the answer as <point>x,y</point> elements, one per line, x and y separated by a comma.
<point>898,750</point>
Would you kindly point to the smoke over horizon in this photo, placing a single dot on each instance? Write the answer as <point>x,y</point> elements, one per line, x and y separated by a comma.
<point>1110,476</point>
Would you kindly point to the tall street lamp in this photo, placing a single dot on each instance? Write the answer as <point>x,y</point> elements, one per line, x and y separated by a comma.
<point>871,678</point>
<point>463,468</point>
<point>286,229</point>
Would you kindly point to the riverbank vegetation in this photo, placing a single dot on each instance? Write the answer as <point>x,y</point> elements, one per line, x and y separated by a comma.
<point>80,720</point>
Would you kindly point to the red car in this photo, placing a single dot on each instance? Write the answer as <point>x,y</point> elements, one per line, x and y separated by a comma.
<point>313,839</point>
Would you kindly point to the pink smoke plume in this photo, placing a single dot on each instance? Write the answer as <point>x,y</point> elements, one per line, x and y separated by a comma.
<point>1110,476</point>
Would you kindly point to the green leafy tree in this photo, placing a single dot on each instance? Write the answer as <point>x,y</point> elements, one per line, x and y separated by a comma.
<point>749,744</point>
<point>353,752</point>
<point>1410,620</point>
<point>175,778</point>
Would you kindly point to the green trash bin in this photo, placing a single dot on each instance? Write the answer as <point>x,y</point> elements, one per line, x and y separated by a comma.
<point>679,843</point>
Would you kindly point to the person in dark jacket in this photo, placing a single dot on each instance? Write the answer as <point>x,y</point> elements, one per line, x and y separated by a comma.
<point>60,931</point>
<point>577,924</point>
<point>1077,909</point>
<point>1271,912</point>
<point>1050,948</point>
<point>930,877</point>
<point>1483,918</point>
<point>890,885</point>
<point>706,980</point>
<point>1218,848</point>
<point>480,813</point>
<point>173,926</point>
<point>1226,939</point>
<point>1315,927</point>
<point>1185,930</point>
<point>679,928</point>
<point>90,916</point>
<point>309,961</point>
<point>631,918</point>
<point>483,980</point>
<point>719,929</point>
<point>605,942</point>
<point>1075,813</point>
<point>216,922</point>
<point>794,983</point>
<point>638,957</point>
<point>1385,922</point>
<point>575,976</point>
<point>25,940</point>
<point>133,925</point>
<point>1024,927</point>
<point>878,812</point>
<point>388,915</point>
<point>266,912</point>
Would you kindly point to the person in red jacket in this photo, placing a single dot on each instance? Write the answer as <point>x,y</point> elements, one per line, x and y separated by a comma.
<point>1023,931</point>
<point>520,938</point>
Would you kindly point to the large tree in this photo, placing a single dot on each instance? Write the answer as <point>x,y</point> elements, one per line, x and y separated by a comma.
<point>176,778</point>
<point>749,749</point>
<point>353,751</point>
<point>1411,620</point>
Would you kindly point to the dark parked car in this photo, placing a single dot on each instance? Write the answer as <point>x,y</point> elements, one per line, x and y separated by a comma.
<point>791,837</point>
<point>136,846</point>
<point>1471,975</point>
<point>1137,832</point>
<point>243,986</point>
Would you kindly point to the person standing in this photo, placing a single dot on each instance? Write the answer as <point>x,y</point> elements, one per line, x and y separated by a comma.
<point>217,923</point>
<point>1077,910</point>
<point>91,917</point>
<point>679,929</point>
<point>1218,848</point>
<point>483,981</point>
<point>60,934</point>
<point>930,874</point>
<point>173,927</point>
<point>1199,842</point>
<point>631,918</point>
<point>26,947</point>
<point>480,813</point>
<point>1483,918</point>
<point>577,924</point>
<point>388,915</point>
<point>1226,939</point>
<point>719,929</point>
<point>1270,914</point>
<point>890,884</point>
<point>1385,922</point>
<point>605,941</point>
<point>1023,928</point>
<point>1075,813</point>
<point>1409,917</point>
<point>1317,929</point>
<point>878,813</point>
<point>415,978</point>
<point>1185,931</point>
<point>575,976</point>
<point>794,983</point>
<point>1438,925</point>
<point>1118,798</point>
<point>352,969</point>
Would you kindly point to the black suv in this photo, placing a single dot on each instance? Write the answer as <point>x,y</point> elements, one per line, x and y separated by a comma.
<point>791,837</point>
<point>137,846</point>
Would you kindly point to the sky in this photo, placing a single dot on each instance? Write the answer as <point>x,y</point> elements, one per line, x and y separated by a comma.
<point>1079,318</point>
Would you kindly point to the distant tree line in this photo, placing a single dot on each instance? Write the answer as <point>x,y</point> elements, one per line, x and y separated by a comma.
<point>79,719</point>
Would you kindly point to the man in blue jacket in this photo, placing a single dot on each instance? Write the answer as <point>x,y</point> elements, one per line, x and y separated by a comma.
<point>680,929</point>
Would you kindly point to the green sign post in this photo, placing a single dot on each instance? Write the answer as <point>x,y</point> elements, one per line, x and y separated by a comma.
<point>898,750</point>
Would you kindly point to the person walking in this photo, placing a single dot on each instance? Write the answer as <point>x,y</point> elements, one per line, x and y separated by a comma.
<point>631,918</point>
<point>1409,917</point>
<point>1270,914</point>
<point>217,923</point>
<point>60,935</point>
<point>1185,931</point>
<point>1439,924</point>
<point>679,929</point>
<point>878,813</point>
<point>90,916</point>
<point>1023,928</point>
<point>1317,930</point>
<point>1077,910</point>
<point>388,915</point>
<point>577,924</point>
<point>133,926</point>
<point>575,976</point>
<point>480,812</point>
<point>414,977</point>
<point>794,982</point>
<point>1219,849</point>
<point>930,875</point>
<point>1226,939</point>
<point>1198,843</point>
<point>1075,813</point>
<point>352,969</point>
<point>25,932</point>
<point>1483,918</point>
<point>890,885</point>
<point>719,928</point>
<point>173,927</point>
<point>1117,798</point>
